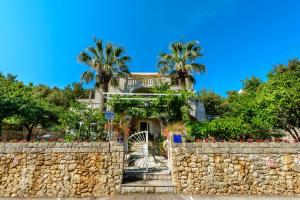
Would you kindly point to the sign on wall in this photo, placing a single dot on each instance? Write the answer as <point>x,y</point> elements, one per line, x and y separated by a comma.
<point>109,115</point>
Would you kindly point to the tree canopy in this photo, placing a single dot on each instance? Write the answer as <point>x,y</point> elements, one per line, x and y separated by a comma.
<point>30,106</point>
<point>181,62</point>
<point>107,62</point>
<point>262,111</point>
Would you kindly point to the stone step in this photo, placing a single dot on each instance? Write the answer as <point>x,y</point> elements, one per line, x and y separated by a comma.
<point>160,175</point>
<point>149,186</point>
<point>155,176</point>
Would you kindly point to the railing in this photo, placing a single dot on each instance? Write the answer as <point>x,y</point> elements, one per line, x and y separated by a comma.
<point>146,82</point>
<point>169,152</point>
<point>90,103</point>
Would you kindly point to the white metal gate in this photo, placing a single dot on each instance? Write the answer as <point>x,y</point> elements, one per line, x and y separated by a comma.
<point>136,152</point>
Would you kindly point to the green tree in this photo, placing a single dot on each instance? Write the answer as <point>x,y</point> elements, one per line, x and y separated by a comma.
<point>41,91</point>
<point>293,65</point>
<point>280,98</point>
<point>60,97</point>
<point>251,84</point>
<point>35,112</point>
<point>107,64</point>
<point>181,62</point>
<point>79,92</point>
<point>214,104</point>
<point>6,103</point>
<point>11,97</point>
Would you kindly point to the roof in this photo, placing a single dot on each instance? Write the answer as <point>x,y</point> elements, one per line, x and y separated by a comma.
<point>144,73</point>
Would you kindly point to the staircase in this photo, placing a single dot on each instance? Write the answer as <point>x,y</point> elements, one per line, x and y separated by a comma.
<point>150,182</point>
<point>157,180</point>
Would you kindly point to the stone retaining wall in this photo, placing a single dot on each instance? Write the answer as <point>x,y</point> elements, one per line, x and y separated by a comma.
<point>236,168</point>
<point>60,169</point>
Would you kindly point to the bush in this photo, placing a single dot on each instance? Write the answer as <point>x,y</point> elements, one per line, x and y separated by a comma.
<point>83,124</point>
<point>199,130</point>
<point>228,128</point>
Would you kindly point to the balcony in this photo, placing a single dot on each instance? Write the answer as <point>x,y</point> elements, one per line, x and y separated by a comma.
<point>89,102</point>
<point>132,84</point>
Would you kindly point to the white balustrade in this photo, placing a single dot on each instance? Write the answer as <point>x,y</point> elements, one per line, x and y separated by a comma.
<point>146,82</point>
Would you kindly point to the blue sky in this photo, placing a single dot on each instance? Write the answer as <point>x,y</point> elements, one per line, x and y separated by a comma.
<point>40,39</point>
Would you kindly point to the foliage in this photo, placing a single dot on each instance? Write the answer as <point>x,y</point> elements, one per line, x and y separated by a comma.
<point>35,112</point>
<point>228,128</point>
<point>11,97</point>
<point>214,104</point>
<point>261,111</point>
<point>20,104</point>
<point>198,129</point>
<point>240,119</point>
<point>83,123</point>
<point>60,97</point>
<point>169,108</point>
<point>251,84</point>
<point>280,98</point>
<point>181,62</point>
<point>160,87</point>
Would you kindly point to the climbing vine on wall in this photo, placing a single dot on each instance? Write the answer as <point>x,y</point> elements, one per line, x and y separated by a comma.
<point>169,108</point>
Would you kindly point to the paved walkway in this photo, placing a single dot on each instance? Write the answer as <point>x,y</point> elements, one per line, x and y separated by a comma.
<point>168,196</point>
<point>182,197</point>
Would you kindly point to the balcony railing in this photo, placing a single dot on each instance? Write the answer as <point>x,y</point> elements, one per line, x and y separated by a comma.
<point>146,82</point>
<point>89,102</point>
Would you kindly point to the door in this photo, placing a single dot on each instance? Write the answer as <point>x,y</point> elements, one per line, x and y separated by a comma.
<point>144,126</point>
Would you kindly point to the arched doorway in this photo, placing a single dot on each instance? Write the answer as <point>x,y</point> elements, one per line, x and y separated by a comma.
<point>152,125</point>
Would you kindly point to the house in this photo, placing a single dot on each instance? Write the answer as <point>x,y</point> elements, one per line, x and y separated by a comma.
<point>141,83</point>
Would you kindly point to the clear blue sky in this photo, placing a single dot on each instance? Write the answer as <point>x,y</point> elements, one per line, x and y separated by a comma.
<point>40,39</point>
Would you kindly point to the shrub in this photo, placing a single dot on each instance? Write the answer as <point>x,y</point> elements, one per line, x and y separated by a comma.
<point>83,124</point>
<point>228,128</point>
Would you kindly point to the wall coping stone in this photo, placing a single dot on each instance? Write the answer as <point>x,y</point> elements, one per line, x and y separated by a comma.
<point>61,147</point>
<point>237,148</point>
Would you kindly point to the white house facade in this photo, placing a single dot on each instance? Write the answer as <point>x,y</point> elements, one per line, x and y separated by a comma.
<point>141,83</point>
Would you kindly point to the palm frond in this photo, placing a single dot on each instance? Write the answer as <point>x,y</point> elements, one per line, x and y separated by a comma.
<point>191,79</point>
<point>119,51</point>
<point>190,45</point>
<point>125,59</point>
<point>85,58</point>
<point>93,51</point>
<point>109,50</point>
<point>87,77</point>
<point>164,69</point>
<point>198,67</point>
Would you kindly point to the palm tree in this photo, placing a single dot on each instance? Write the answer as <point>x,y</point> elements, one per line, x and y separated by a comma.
<point>181,62</point>
<point>106,65</point>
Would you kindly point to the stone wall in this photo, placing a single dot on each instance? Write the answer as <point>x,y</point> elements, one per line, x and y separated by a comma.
<point>236,168</point>
<point>60,169</point>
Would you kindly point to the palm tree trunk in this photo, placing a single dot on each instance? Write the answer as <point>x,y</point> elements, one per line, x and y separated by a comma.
<point>182,83</point>
<point>102,99</point>
<point>1,128</point>
<point>90,95</point>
